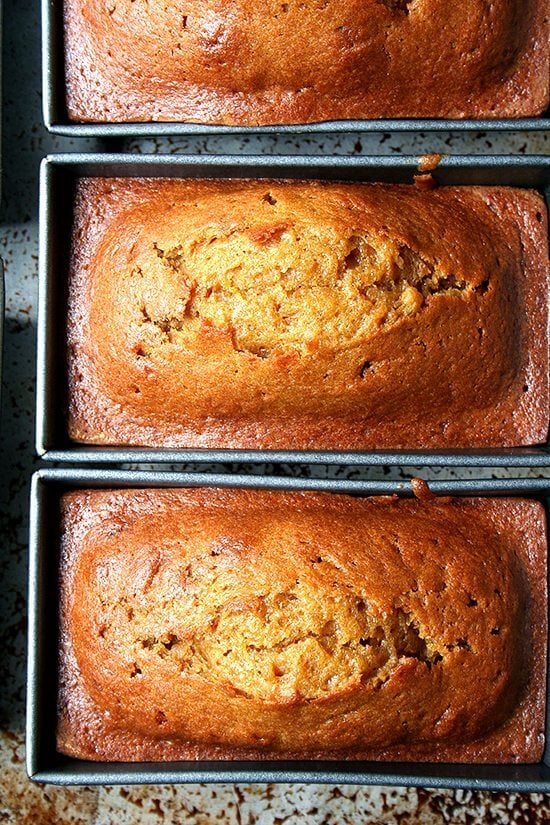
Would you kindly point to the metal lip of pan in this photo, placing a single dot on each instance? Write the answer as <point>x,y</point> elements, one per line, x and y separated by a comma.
<point>57,177</point>
<point>2,320</point>
<point>45,765</point>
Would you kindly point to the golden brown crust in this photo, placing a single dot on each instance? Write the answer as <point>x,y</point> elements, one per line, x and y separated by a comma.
<point>249,63</point>
<point>265,314</point>
<point>232,624</point>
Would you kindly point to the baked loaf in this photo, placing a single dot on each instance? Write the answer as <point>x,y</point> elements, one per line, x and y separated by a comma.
<point>264,314</point>
<point>251,63</point>
<point>207,623</point>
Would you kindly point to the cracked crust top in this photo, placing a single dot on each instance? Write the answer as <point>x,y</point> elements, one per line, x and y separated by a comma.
<point>199,623</point>
<point>269,314</point>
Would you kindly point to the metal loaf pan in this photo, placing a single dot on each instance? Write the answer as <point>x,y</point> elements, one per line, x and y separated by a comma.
<point>58,175</point>
<point>44,764</point>
<point>57,122</point>
<point>2,313</point>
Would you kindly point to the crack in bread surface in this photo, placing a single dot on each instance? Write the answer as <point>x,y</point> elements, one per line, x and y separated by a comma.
<point>280,286</point>
<point>396,5</point>
<point>285,646</point>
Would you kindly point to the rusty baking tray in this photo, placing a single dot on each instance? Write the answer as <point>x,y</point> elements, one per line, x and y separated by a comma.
<point>44,764</point>
<point>56,191</point>
<point>57,122</point>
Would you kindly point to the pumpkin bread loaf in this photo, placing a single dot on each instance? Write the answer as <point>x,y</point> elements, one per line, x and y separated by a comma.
<point>307,315</point>
<point>248,63</point>
<point>231,624</point>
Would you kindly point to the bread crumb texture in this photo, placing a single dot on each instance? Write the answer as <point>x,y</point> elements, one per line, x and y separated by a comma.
<point>296,288</point>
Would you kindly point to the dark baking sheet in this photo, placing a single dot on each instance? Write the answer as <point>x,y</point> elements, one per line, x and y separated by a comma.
<point>56,191</point>
<point>57,122</point>
<point>45,765</point>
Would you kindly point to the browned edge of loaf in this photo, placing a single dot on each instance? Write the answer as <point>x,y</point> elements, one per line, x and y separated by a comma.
<point>520,739</point>
<point>519,418</point>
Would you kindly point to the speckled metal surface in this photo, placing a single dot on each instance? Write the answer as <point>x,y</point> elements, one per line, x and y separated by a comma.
<point>25,143</point>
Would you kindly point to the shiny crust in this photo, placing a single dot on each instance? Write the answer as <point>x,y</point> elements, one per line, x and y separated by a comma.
<point>250,64</point>
<point>148,574</point>
<point>448,348</point>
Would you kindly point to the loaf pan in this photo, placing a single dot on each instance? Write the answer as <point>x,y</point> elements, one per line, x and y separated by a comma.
<point>44,764</point>
<point>2,313</point>
<point>57,122</point>
<point>56,191</point>
<point>2,324</point>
